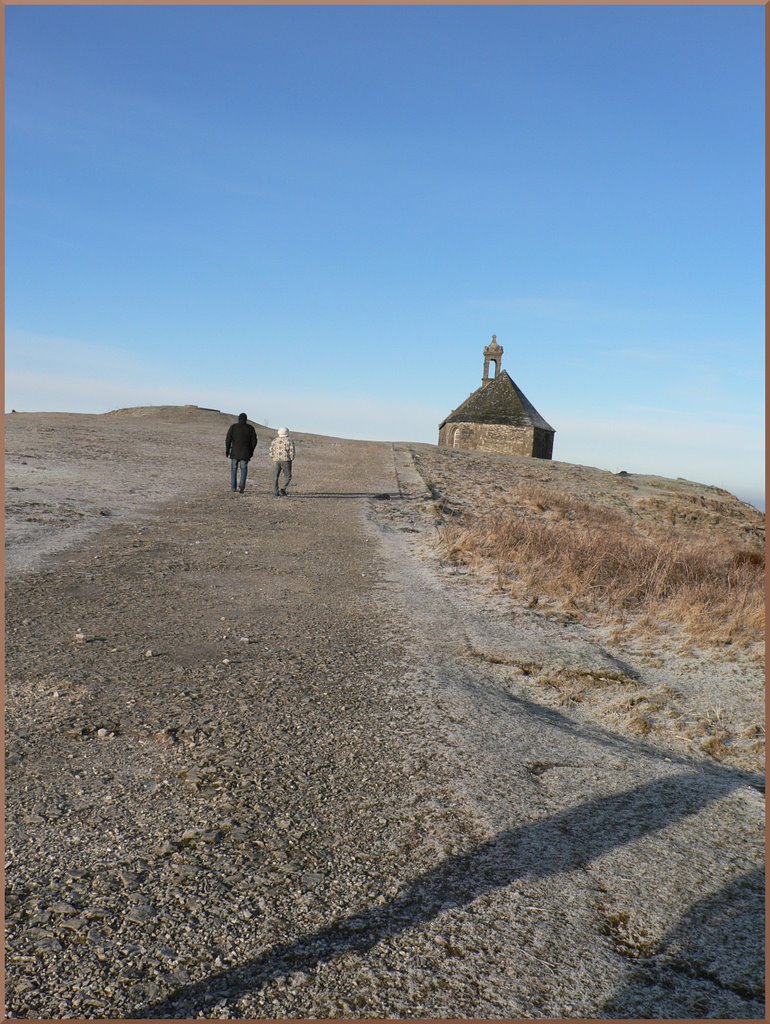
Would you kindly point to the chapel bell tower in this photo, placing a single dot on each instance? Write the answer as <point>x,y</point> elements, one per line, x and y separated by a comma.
<point>493,353</point>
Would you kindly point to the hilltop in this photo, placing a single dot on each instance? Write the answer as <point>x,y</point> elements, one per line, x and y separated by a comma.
<point>495,524</point>
<point>472,477</point>
<point>336,755</point>
<point>179,414</point>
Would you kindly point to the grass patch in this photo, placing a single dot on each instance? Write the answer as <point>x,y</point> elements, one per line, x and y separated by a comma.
<point>600,564</point>
<point>630,938</point>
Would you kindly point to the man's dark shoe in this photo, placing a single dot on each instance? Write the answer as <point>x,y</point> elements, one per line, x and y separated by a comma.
<point>283,491</point>
<point>275,494</point>
<point>241,489</point>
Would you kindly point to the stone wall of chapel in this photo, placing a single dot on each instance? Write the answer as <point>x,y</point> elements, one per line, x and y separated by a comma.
<point>494,437</point>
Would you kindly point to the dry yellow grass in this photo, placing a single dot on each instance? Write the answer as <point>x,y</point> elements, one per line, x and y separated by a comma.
<point>601,564</point>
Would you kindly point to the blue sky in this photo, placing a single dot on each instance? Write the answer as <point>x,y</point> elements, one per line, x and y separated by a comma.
<point>320,215</point>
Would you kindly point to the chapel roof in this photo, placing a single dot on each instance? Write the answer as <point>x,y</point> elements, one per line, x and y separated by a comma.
<point>500,400</point>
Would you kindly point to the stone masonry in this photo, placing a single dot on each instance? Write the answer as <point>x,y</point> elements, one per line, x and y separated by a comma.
<point>497,417</point>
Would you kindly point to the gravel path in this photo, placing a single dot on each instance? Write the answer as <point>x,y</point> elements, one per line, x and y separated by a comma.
<point>255,769</point>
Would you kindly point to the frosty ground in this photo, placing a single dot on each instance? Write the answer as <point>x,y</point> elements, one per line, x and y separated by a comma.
<point>273,758</point>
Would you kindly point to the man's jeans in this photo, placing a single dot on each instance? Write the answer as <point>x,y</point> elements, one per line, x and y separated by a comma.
<point>234,464</point>
<point>284,465</point>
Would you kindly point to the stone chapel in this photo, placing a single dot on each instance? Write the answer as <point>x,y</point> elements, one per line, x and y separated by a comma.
<point>497,417</point>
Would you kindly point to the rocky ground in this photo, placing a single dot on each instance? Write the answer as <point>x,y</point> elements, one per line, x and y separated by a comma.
<point>269,758</point>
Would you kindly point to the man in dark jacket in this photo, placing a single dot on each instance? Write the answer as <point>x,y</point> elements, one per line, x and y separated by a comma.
<point>240,443</point>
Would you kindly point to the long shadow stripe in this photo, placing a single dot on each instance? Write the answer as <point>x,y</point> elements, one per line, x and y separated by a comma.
<point>536,850</point>
<point>604,737</point>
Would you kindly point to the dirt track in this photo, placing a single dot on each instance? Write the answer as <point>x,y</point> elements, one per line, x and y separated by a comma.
<point>259,766</point>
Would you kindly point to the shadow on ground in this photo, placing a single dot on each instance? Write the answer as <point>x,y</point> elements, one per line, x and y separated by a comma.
<point>295,495</point>
<point>714,943</point>
<point>614,742</point>
<point>560,843</point>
